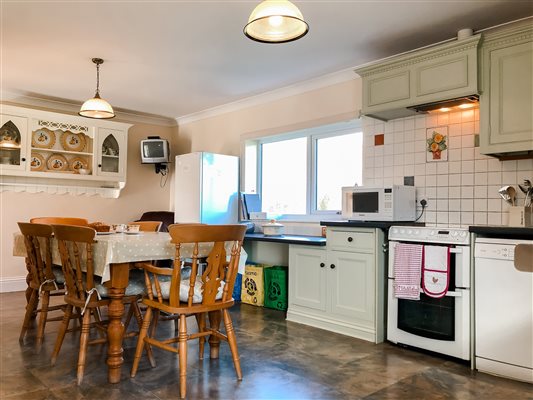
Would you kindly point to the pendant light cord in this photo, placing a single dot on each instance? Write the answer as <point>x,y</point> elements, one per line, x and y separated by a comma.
<point>97,80</point>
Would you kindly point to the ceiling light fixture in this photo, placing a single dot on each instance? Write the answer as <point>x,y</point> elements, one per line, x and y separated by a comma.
<point>276,21</point>
<point>97,107</point>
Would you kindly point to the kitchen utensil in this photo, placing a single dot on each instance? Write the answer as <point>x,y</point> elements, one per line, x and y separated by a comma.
<point>527,189</point>
<point>511,191</point>
<point>529,197</point>
<point>504,193</point>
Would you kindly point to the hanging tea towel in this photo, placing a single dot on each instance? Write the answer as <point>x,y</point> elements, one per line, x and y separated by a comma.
<point>407,270</point>
<point>436,271</point>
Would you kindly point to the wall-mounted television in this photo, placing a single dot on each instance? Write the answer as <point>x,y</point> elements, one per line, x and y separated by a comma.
<point>154,151</point>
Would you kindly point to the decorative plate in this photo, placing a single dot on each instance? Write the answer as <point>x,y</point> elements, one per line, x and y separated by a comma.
<point>56,162</point>
<point>78,163</point>
<point>37,162</point>
<point>43,138</point>
<point>73,141</point>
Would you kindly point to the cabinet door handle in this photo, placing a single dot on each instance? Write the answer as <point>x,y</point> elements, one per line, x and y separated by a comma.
<point>99,165</point>
<point>322,265</point>
<point>350,239</point>
<point>332,266</point>
<point>22,159</point>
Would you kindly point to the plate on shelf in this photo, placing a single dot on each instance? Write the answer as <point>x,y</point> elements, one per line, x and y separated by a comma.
<point>37,162</point>
<point>132,233</point>
<point>77,163</point>
<point>56,162</point>
<point>73,141</point>
<point>43,138</point>
<point>104,233</point>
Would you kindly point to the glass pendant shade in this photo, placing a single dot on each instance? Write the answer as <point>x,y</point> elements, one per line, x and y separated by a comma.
<point>97,107</point>
<point>276,21</point>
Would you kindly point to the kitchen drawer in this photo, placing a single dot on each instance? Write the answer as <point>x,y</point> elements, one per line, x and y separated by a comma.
<point>352,240</point>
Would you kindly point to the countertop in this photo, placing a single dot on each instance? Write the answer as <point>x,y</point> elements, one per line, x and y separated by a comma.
<point>369,224</point>
<point>504,232</point>
<point>288,239</point>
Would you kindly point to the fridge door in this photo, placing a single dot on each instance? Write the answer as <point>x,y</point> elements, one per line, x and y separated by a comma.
<point>187,199</point>
<point>219,189</point>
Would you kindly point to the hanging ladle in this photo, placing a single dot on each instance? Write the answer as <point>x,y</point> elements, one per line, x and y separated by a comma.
<point>508,193</point>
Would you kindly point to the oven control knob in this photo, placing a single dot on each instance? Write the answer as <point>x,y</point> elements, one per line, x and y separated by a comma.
<point>394,230</point>
<point>454,233</point>
<point>417,232</point>
<point>431,233</point>
<point>409,232</point>
<point>402,230</point>
<point>463,234</point>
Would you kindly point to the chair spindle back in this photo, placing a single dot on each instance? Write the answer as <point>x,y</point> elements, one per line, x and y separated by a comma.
<point>76,250</point>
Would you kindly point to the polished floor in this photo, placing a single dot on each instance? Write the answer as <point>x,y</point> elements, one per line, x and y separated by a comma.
<point>280,360</point>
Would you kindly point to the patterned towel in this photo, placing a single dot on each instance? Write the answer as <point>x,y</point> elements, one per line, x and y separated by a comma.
<point>407,270</point>
<point>436,271</point>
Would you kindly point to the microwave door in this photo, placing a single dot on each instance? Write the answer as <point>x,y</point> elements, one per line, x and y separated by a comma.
<point>365,202</point>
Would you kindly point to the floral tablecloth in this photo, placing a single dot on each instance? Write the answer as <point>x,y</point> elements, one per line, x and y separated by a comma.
<point>122,248</point>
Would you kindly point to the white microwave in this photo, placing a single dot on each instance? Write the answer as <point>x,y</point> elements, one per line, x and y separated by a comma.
<point>392,203</point>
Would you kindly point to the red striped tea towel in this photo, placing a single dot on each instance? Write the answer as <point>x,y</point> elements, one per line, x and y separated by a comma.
<point>407,270</point>
<point>436,271</point>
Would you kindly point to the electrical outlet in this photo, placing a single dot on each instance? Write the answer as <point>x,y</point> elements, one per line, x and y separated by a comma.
<point>423,203</point>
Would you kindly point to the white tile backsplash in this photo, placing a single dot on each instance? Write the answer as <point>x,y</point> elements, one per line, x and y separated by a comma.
<point>461,191</point>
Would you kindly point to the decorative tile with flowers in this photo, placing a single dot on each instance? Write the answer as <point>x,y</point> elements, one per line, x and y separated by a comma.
<point>437,144</point>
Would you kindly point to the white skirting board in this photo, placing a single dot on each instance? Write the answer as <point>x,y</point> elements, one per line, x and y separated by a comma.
<point>13,284</point>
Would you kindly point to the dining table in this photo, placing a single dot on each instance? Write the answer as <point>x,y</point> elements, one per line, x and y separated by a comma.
<point>114,254</point>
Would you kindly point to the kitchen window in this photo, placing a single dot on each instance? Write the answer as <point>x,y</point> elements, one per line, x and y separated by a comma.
<point>301,173</point>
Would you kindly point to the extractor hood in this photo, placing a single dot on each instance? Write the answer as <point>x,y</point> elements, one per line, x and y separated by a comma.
<point>435,77</point>
<point>447,105</point>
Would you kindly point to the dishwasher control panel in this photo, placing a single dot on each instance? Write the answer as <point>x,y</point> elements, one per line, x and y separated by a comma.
<point>495,251</point>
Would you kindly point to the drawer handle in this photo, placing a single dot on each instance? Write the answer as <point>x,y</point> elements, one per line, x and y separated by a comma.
<point>332,266</point>
<point>350,239</point>
<point>322,265</point>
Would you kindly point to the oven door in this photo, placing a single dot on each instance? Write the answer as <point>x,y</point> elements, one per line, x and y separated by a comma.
<point>439,325</point>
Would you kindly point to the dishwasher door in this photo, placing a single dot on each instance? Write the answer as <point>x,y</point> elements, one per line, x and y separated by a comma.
<point>503,311</point>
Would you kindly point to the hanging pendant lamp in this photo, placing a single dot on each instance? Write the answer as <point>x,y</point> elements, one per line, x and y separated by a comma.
<point>97,107</point>
<point>276,21</point>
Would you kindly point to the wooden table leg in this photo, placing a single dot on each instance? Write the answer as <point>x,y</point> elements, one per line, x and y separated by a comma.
<point>214,342</point>
<point>115,330</point>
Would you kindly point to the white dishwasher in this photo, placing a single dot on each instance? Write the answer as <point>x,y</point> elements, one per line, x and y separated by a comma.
<point>503,310</point>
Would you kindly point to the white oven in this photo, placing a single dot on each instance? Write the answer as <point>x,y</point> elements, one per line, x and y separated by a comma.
<point>441,324</point>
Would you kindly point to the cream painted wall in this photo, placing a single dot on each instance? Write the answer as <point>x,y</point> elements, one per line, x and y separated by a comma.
<point>142,193</point>
<point>222,133</point>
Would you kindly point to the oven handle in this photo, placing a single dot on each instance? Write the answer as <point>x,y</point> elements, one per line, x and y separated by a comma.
<point>450,293</point>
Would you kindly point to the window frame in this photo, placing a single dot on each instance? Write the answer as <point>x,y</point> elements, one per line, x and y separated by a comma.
<point>312,135</point>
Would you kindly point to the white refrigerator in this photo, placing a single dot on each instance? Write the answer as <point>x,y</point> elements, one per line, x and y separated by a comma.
<point>206,188</point>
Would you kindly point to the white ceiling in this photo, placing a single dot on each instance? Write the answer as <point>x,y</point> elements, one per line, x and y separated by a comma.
<point>174,58</point>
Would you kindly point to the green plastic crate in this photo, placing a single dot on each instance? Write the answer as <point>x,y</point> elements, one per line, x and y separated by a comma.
<point>276,287</point>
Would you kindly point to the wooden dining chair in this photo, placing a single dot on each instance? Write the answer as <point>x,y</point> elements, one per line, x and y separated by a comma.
<point>208,294</point>
<point>43,282</point>
<point>148,226</point>
<point>60,221</point>
<point>84,291</point>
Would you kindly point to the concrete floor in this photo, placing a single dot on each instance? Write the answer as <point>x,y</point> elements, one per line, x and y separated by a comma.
<point>280,360</point>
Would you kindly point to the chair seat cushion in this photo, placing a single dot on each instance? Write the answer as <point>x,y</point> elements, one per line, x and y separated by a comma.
<point>136,286</point>
<point>58,274</point>
<point>184,290</point>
